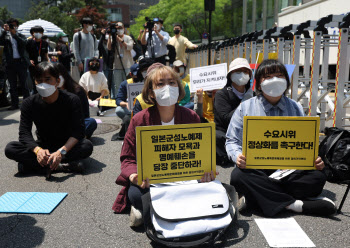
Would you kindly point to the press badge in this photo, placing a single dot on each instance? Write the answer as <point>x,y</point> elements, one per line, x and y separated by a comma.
<point>39,59</point>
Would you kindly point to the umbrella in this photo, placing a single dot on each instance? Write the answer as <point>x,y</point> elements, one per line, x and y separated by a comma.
<point>50,29</point>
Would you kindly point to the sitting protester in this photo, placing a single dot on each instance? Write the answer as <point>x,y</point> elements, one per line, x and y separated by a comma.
<point>163,89</point>
<point>296,191</point>
<point>227,100</point>
<point>122,109</point>
<point>139,104</point>
<point>204,105</point>
<point>67,83</point>
<point>94,83</point>
<point>179,68</point>
<point>59,121</point>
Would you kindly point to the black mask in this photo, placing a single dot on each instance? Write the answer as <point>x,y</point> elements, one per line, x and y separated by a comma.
<point>94,67</point>
<point>176,31</point>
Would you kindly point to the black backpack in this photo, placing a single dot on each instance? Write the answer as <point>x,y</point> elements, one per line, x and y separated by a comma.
<point>335,152</point>
<point>194,240</point>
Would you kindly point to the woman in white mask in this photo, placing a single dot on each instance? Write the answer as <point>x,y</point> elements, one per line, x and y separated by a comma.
<point>295,190</point>
<point>226,101</point>
<point>162,88</point>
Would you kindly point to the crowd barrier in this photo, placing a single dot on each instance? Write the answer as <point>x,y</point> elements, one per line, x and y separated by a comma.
<point>306,45</point>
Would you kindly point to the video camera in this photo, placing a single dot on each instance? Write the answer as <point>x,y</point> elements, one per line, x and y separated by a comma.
<point>150,24</point>
<point>112,29</point>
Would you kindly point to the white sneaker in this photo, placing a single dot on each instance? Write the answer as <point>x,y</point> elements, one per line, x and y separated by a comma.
<point>135,217</point>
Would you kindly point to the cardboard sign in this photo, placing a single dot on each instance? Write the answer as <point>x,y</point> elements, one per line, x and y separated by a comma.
<point>108,102</point>
<point>280,142</point>
<point>134,90</point>
<point>175,152</point>
<point>211,77</point>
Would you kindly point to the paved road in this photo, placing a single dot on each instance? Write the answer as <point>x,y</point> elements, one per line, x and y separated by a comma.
<point>85,218</point>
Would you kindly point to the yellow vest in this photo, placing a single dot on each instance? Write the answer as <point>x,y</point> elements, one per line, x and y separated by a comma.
<point>142,102</point>
<point>208,107</point>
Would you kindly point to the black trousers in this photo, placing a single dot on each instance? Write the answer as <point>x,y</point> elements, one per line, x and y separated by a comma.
<point>271,195</point>
<point>17,69</point>
<point>134,194</point>
<point>17,151</point>
<point>221,154</point>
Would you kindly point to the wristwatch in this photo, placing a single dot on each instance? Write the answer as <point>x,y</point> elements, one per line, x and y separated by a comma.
<point>62,151</point>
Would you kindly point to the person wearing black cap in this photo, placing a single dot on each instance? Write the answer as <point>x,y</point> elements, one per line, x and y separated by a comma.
<point>156,46</point>
<point>85,44</point>
<point>16,60</point>
<point>38,51</point>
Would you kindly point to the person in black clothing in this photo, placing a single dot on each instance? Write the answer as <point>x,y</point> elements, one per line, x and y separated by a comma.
<point>16,60</point>
<point>68,83</point>
<point>107,57</point>
<point>227,100</point>
<point>59,121</point>
<point>63,52</point>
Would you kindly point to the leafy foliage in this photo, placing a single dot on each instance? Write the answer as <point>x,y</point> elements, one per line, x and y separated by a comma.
<point>194,20</point>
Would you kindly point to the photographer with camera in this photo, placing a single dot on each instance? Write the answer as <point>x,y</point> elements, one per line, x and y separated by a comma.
<point>85,44</point>
<point>121,44</point>
<point>16,60</point>
<point>156,40</point>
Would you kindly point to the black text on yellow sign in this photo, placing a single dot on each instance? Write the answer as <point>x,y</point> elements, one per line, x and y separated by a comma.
<point>280,142</point>
<point>175,152</point>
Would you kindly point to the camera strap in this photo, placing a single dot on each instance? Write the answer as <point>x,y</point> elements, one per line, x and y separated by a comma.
<point>121,62</point>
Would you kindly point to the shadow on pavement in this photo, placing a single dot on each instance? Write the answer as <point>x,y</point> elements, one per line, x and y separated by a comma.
<point>20,231</point>
<point>8,122</point>
<point>93,166</point>
<point>97,141</point>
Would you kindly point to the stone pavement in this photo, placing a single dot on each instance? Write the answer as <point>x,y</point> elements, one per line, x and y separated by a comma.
<point>85,218</point>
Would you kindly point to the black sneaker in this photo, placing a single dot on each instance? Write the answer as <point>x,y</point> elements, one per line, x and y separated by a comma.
<point>321,206</point>
<point>76,166</point>
<point>117,137</point>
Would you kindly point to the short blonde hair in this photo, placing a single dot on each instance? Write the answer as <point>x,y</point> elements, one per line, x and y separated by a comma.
<point>154,76</point>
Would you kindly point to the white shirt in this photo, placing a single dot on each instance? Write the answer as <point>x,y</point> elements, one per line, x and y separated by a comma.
<point>172,122</point>
<point>93,82</point>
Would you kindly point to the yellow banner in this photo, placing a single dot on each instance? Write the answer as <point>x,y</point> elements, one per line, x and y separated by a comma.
<point>175,152</point>
<point>108,102</point>
<point>280,142</point>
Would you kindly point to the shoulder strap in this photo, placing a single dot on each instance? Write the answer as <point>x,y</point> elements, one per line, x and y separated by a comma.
<point>79,39</point>
<point>333,142</point>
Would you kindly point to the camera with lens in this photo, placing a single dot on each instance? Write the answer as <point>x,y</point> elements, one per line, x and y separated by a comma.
<point>112,29</point>
<point>149,23</point>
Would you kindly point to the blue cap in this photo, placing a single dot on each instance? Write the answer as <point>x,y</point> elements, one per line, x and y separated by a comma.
<point>134,68</point>
<point>156,19</point>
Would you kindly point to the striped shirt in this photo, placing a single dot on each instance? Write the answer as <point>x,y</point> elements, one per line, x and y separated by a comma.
<point>256,106</point>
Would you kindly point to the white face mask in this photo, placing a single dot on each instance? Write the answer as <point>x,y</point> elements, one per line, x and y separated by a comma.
<point>120,31</point>
<point>167,95</point>
<point>274,87</point>
<point>144,73</point>
<point>157,27</point>
<point>89,28</point>
<point>38,35</point>
<point>65,39</point>
<point>106,36</point>
<point>45,89</point>
<point>240,78</point>
<point>61,82</point>
<point>181,71</point>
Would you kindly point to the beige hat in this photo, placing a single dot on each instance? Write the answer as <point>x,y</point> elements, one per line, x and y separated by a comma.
<point>239,63</point>
<point>178,63</point>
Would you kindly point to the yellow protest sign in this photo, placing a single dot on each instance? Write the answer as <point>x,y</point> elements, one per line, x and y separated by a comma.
<point>175,152</point>
<point>108,102</point>
<point>280,142</point>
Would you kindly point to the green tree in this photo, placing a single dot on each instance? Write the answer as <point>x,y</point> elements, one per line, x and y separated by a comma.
<point>5,14</point>
<point>191,14</point>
